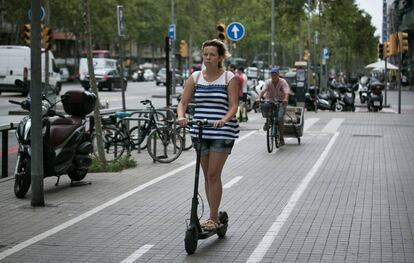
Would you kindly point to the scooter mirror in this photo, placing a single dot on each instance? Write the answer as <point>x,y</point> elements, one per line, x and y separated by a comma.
<point>19,83</point>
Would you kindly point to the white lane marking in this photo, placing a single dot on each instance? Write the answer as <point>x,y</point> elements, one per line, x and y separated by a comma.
<point>332,125</point>
<point>309,122</point>
<point>232,182</point>
<point>137,254</point>
<point>97,209</point>
<point>389,110</point>
<point>271,234</point>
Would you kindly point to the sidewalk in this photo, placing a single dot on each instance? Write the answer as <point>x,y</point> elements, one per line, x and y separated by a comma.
<point>345,194</point>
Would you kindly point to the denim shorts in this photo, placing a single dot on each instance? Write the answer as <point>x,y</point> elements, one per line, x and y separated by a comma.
<point>213,145</point>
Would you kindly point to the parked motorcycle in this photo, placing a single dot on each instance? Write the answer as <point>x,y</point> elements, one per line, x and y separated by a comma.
<point>363,89</point>
<point>346,101</point>
<point>66,144</point>
<point>322,101</point>
<point>375,97</point>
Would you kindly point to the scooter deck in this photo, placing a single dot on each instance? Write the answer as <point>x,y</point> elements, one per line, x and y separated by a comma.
<point>206,234</point>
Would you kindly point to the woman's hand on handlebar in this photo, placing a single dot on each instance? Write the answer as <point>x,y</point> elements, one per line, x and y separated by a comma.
<point>182,121</point>
<point>218,123</point>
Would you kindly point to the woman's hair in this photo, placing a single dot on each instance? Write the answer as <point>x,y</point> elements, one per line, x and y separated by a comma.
<point>221,49</point>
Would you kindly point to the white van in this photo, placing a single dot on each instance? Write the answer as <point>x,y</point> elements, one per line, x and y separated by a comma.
<point>15,64</point>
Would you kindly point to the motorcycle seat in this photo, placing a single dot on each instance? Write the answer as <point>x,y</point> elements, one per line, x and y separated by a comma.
<point>61,128</point>
<point>323,96</point>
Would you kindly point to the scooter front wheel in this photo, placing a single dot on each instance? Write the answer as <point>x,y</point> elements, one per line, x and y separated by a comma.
<point>22,177</point>
<point>191,239</point>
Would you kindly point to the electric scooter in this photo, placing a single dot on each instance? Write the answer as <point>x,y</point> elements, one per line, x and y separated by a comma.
<point>194,231</point>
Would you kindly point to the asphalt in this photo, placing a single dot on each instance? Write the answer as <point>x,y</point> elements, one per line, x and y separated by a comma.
<point>345,194</point>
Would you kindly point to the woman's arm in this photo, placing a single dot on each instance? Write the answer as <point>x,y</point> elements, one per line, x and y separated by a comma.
<point>185,99</point>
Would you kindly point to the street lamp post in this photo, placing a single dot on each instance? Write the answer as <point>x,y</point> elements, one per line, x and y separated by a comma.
<point>272,48</point>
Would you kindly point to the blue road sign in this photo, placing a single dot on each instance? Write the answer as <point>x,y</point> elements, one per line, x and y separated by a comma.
<point>171,32</point>
<point>235,31</point>
<point>42,13</point>
<point>325,53</point>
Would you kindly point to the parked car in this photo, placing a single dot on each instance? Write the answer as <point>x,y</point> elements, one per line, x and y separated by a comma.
<point>161,77</point>
<point>106,74</point>
<point>64,74</point>
<point>148,75</point>
<point>252,73</point>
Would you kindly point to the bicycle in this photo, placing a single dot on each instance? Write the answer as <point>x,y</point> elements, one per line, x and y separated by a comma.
<point>270,111</point>
<point>162,135</point>
<point>114,141</point>
<point>118,137</point>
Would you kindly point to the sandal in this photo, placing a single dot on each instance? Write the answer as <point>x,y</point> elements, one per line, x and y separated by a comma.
<point>210,225</point>
<point>203,225</point>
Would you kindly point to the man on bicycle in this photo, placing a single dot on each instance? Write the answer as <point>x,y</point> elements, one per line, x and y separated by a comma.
<point>277,89</point>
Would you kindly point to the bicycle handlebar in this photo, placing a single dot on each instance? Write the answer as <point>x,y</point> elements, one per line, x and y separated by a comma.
<point>145,102</point>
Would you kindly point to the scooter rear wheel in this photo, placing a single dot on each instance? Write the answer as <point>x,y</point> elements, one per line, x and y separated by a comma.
<point>224,219</point>
<point>77,174</point>
<point>191,240</point>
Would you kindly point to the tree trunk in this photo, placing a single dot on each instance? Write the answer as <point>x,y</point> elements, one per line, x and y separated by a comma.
<point>92,82</point>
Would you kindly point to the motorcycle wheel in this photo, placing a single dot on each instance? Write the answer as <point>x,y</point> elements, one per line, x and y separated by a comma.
<point>338,107</point>
<point>77,174</point>
<point>369,106</point>
<point>22,178</point>
<point>191,239</point>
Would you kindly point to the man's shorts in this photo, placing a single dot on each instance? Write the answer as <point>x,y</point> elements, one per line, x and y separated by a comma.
<point>282,112</point>
<point>213,145</point>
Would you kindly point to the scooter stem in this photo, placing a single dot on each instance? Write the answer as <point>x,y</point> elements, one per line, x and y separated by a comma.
<point>194,203</point>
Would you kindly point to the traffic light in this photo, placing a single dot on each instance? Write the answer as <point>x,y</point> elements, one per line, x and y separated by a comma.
<point>393,45</point>
<point>306,54</point>
<point>403,42</point>
<point>380,51</point>
<point>221,32</point>
<point>183,49</point>
<point>47,37</point>
<point>386,49</point>
<point>26,34</point>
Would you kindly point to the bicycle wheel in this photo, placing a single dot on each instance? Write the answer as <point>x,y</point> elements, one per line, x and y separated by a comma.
<point>114,143</point>
<point>164,145</point>
<point>185,135</point>
<point>137,140</point>
<point>269,139</point>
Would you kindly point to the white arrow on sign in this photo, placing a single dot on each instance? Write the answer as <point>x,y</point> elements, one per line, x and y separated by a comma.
<point>235,30</point>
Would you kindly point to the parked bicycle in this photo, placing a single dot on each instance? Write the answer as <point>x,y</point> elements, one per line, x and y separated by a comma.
<point>163,142</point>
<point>269,111</point>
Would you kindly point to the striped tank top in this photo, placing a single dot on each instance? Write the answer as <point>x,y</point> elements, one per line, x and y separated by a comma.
<point>211,103</point>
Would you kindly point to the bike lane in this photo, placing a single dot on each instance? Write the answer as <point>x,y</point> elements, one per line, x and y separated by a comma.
<point>154,217</point>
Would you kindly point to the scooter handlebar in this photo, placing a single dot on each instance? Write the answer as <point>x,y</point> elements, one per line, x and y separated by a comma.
<point>15,102</point>
<point>25,104</point>
<point>204,123</point>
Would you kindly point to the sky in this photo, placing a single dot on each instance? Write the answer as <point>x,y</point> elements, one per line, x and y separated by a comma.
<point>374,8</point>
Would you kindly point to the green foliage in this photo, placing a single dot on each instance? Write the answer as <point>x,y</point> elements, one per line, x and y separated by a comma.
<point>110,167</point>
<point>147,23</point>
